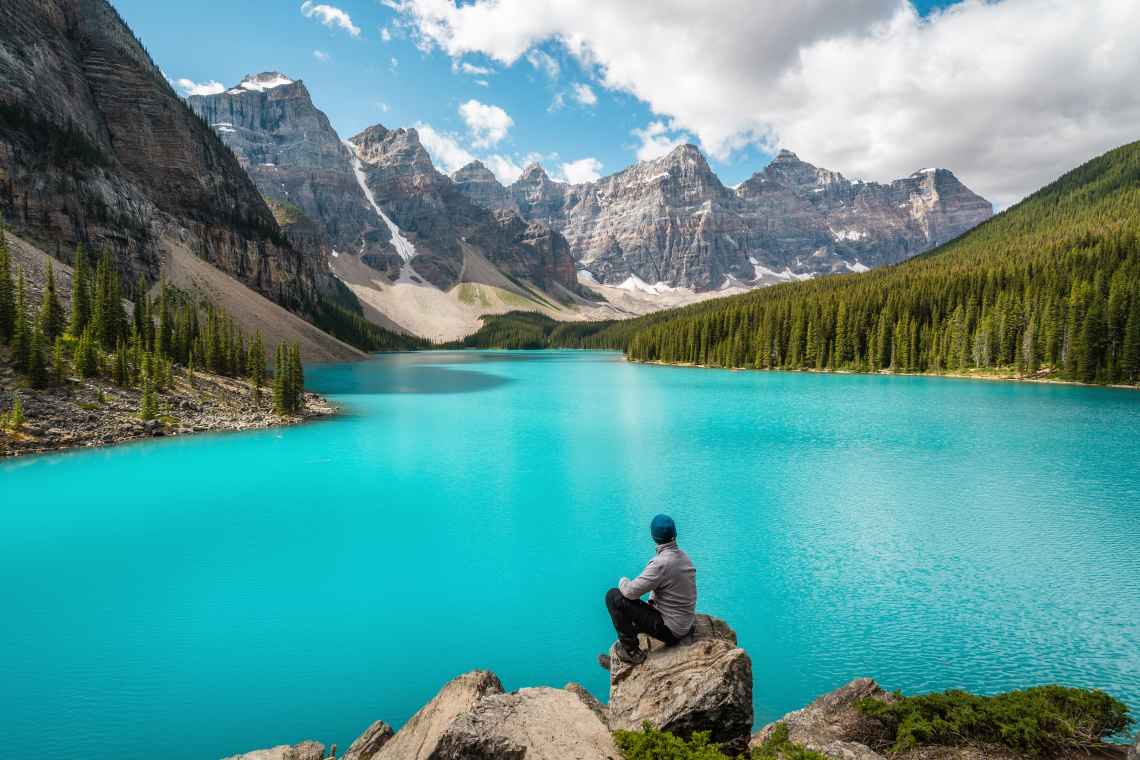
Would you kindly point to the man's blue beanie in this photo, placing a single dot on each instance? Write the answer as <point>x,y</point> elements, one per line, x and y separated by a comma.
<point>663,529</point>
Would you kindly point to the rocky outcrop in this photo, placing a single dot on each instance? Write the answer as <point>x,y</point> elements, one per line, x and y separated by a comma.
<point>479,184</point>
<point>832,724</point>
<point>672,222</point>
<point>1134,753</point>
<point>95,147</point>
<point>369,743</point>
<point>419,738</point>
<point>536,724</point>
<point>295,157</point>
<point>702,684</point>
<point>306,750</point>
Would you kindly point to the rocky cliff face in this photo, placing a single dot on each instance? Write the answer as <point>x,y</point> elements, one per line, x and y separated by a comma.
<point>439,220</point>
<point>479,184</point>
<point>294,156</point>
<point>671,222</point>
<point>96,148</point>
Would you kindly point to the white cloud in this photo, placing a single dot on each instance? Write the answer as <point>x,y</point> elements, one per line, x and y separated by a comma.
<point>330,16</point>
<point>449,155</point>
<point>544,62</point>
<point>582,170</point>
<point>557,102</point>
<point>488,124</point>
<point>482,83</point>
<point>584,95</point>
<point>190,87</point>
<point>1007,94</point>
<point>504,169</point>
<point>382,106</point>
<point>320,55</point>
<point>655,141</point>
<point>470,68</point>
<point>385,34</point>
<point>444,149</point>
<point>393,64</point>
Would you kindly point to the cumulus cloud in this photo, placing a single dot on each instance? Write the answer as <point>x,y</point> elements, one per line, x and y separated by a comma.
<point>385,34</point>
<point>449,155</point>
<point>190,87</point>
<point>504,169</point>
<point>330,16</point>
<point>583,170</point>
<point>1008,94</point>
<point>320,55</point>
<point>445,149</point>
<point>584,94</point>
<point>487,124</point>
<point>655,141</point>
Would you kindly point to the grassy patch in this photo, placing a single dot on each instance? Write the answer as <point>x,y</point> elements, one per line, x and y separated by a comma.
<point>1041,721</point>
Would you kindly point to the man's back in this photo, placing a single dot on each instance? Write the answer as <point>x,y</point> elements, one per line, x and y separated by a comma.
<point>671,577</point>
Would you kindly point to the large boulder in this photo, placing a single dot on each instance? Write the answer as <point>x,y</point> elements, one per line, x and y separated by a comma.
<point>1134,753</point>
<point>306,750</point>
<point>537,724</point>
<point>419,737</point>
<point>369,743</point>
<point>704,683</point>
<point>832,724</point>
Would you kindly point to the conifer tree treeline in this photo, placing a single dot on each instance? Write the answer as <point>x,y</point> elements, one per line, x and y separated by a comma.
<point>1051,284</point>
<point>99,339</point>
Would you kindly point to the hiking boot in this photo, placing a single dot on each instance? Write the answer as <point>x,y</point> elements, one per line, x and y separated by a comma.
<point>629,656</point>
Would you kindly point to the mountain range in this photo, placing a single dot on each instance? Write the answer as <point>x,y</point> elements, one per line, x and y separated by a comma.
<point>670,222</point>
<point>252,192</point>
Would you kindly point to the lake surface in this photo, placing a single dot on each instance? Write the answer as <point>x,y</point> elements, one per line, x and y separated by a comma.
<point>190,598</point>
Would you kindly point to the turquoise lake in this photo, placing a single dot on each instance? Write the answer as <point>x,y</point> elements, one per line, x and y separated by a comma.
<point>198,597</point>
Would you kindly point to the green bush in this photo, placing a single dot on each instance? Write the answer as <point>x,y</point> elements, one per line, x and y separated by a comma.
<point>1043,720</point>
<point>651,744</point>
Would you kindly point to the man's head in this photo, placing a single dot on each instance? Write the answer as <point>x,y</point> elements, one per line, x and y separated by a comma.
<point>663,529</point>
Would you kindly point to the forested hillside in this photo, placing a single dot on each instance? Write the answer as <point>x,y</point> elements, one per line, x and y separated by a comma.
<point>1049,287</point>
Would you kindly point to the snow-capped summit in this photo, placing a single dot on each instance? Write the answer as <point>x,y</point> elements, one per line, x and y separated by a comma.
<point>266,80</point>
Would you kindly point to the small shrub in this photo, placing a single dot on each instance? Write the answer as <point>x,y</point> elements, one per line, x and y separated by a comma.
<point>651,744</point>
<point>778,747</point>
<point>1040,721</point>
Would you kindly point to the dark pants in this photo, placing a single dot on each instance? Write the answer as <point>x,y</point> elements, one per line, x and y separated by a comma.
<point>633,616</point>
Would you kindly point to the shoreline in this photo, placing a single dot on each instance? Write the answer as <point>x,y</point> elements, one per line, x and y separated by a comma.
<point>949,375</point>
<point>89,414</point>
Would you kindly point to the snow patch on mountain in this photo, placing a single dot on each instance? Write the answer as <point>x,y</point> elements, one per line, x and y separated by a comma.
<point>403,246</point>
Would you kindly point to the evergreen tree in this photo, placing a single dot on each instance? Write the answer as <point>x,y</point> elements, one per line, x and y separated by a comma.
<point>52,322</point>
<point>279,380</point>
<point>1130,350</point>
<point>86,357</point>
<point>256,364</point>
<point>58,362</point>
<point>36,364</point>
<point>107,311</point>
<point>296,379</point>
<point>21,331</point>
<point>16,416</point>
<point>148,402</point>
<point>80,294</point>
<point>120,370</point>
<point>7,290</point>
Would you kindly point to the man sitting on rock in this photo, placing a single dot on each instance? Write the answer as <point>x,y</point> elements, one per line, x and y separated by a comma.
<point>668,616</point>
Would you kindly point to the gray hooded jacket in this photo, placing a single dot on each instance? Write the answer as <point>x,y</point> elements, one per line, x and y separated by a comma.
<point>671,577</point>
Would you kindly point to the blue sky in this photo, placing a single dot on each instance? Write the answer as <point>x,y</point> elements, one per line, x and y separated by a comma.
<point>1008,94</point>
<point>360,80</point>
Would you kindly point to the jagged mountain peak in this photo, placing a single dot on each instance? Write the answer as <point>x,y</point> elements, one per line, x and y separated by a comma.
<point>476,171</point>
<point>266,80</point>
<point>533,171</point>
<point>786,155</point>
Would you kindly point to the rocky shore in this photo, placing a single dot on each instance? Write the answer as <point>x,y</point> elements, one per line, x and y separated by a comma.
<point>94,412</point>
<point>702,685</point>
